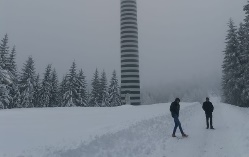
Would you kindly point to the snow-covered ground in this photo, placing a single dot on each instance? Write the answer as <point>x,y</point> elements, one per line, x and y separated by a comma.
<point>126,131</point>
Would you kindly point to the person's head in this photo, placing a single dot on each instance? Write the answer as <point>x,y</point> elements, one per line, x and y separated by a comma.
<point>177,100</point>
<point>207,98</point>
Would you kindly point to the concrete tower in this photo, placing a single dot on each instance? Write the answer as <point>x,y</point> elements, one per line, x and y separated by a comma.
<point>130,82</point>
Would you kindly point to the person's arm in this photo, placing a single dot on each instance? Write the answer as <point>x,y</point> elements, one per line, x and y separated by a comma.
<point>203,106</point>
<point>212,107</point>
<point>173,109</point>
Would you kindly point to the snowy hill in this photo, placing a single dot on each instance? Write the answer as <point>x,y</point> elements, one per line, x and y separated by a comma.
<point>134,131</point>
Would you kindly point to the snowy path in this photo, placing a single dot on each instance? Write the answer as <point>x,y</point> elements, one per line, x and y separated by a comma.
<point>229,139</point>
<point>146,132</point>
<point>152,138</point>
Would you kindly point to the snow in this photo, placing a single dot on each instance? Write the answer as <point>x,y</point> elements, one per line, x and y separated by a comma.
<point>134,131</point>
<point>6,76</point>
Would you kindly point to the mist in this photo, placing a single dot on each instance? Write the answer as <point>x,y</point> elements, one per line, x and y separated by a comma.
<point>181,42</point>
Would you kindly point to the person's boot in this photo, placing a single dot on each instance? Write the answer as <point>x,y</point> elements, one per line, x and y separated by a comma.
<point>212,127</point>
<point>207,127</point>
<point>173,135</point>
<point>184,135</point>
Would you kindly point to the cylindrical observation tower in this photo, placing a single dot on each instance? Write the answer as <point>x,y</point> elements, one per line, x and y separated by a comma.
<point>130,81</point>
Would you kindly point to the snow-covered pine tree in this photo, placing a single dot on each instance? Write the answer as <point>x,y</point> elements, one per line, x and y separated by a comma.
<point>230,65</point>
<point>81,86</point>
<point>240,82</point>
<point>8,80</point>
<point>54,100</point>
<point>4,52</point>
<point>95,93</point>
<point>37,90</point>
<point>46,87</point>
<point>15,95</point>
<point>104,95</point>
<point>4,96</point>
<point>14,87</point>
<point>70,94</point>
<point>245,61</point>
<point>11,63</point>
<point>114,91</point>
<point>62,90</point>
<point>27,80</point>
<point>245,92</point>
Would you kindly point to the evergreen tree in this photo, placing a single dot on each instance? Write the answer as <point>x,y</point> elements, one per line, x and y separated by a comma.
<point>95,93</point>
<point>245,61</point>
<point>8,80</point>
<point>81,86</point>
<point>114,91</point>
<point>11,64</point>
<point>4,51</point>
<point>5,98</point>
<point>241,43</point>
<point>242,59</point>
<point>37,92</point>
<point>14,87</point>
<point>46,87</point>
<point>15,95</point>
<point>230,65</point>
<point>70,95</point>
<point>104,96</point>
<point>54,101</point>
<point>27,80</point>
<point>62,91</point>
<point>245,92</point>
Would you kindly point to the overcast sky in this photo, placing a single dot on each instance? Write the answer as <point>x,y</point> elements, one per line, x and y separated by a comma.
<point>178,39</point>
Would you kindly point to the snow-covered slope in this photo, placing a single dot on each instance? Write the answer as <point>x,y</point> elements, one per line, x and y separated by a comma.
<point>123,131</point>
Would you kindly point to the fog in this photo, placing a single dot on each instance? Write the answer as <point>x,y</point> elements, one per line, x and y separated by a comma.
<point>179,41</point>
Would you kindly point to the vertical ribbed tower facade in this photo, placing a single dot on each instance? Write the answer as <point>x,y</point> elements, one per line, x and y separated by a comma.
<point>130,81</point>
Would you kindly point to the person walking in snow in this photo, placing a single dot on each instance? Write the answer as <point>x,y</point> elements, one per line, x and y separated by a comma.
<point>174,109</point>
<point>208,108</point>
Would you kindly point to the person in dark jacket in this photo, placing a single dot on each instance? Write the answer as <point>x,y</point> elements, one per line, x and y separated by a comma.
<point>208,108</point>
<point>174,109</point>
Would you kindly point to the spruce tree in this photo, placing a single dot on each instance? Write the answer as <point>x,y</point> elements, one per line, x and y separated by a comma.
<point>114,91</point>
<point>230,66</point>
<point>104,96</point>
<point>37,92</point>
<point>11,63</point>
<point>8,76</point>
<point>27,80</point>
<point>15,96</point>
<point>14,92</point>
<point>81,86</point>
<point>95,93</point>
<point>46,87</point>
<point>14,87</point>
<point>54,100</point>
<point>4,51</point>
<point>62,91</point>
<point>242,59</point>
<point>245,61</point>
<point>4,96</point>
<point>70,95</point>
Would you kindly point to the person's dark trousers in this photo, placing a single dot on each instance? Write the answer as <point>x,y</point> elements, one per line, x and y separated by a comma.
<point>209,116</point>
<point>177,123</point>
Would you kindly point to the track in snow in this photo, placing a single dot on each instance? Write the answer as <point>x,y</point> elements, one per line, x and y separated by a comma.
<point>152,138</point>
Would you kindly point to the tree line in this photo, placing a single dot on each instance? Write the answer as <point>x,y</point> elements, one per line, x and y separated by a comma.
<point>235,79</point>
<point>25,89</point>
